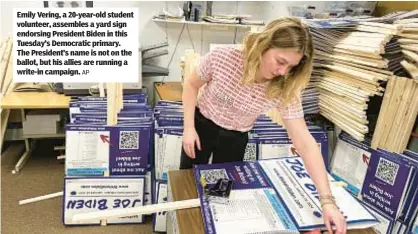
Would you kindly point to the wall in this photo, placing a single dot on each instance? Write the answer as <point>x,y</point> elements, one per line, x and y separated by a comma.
<point>193,36</point>
<point>386,7</point>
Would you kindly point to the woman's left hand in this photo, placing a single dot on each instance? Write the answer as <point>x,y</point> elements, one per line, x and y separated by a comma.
<point>331,216</point>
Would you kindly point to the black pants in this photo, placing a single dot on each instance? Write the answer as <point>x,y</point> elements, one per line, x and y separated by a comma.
<point>226,145</point>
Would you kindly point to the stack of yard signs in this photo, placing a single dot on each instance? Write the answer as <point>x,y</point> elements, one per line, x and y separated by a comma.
<point>349,69</point>
<point>386,182</point>
<point>108,156</point>
<point>310,99</point>
<point>268,140</point>
<point>168,136</point>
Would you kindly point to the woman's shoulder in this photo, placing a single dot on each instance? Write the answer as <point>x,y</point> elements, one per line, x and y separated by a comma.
<point>229,50</point>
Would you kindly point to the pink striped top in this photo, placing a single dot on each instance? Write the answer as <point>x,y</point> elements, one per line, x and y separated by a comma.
<point>227,102</point>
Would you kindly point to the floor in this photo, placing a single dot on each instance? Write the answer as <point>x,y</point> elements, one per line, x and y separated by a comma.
<point>43,174</point>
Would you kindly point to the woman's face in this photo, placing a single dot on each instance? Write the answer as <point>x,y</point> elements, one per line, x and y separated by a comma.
<point>278,62</point>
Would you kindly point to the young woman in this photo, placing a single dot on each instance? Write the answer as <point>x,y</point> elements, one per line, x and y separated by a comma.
<point>235,86</point>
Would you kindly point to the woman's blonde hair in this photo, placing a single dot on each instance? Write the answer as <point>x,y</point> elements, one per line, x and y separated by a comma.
<point>280,33</point>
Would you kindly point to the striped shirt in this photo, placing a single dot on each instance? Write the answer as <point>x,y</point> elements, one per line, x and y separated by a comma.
<point>227,102</point>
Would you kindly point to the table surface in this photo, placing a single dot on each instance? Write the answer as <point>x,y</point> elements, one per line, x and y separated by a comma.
<point>183,187</point>
<point>35,100</point>
<point>171,91</point>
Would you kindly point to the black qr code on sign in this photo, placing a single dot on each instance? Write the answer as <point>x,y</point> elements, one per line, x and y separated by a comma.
<point>250,152</point>
<point>387,171</point>
<point>129,140</point>
<point>212,176</point>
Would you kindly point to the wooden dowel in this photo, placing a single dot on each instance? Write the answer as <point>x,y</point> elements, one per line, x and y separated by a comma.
<point>41,198</point>
<point>142,210</point>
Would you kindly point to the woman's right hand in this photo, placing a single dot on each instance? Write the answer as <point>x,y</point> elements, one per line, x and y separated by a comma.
<point>190,138</point>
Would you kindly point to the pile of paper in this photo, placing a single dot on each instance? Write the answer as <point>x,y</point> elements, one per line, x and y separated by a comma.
<point>271,196</point>
<point>107,166</point>
<point>386,182</point>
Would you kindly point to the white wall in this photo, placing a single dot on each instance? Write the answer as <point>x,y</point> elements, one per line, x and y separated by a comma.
<point>151,32</point>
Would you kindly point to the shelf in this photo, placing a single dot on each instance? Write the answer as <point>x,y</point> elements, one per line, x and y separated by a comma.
<point>204,23</point>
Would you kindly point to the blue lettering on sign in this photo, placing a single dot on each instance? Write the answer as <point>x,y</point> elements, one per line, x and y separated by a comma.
<point>300,171</point>
<point>297,162</point>
<point>93,203</point>
<point>125,203</point>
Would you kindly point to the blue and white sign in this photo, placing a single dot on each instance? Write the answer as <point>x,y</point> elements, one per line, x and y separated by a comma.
<point>88,194</point>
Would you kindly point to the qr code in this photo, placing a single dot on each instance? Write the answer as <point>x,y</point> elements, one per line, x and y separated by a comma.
<point>250,152</point>
<point>387,171</point>
<point>129,140</point>
<point>212,176</point>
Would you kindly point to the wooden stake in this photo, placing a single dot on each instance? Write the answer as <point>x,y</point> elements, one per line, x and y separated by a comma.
<point>101,89</point>
<point>143,210</point>
<point>41,198</point>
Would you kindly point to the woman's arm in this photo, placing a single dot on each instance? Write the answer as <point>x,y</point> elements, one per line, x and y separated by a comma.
<point>308,149</point>
<point>191,86</point>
